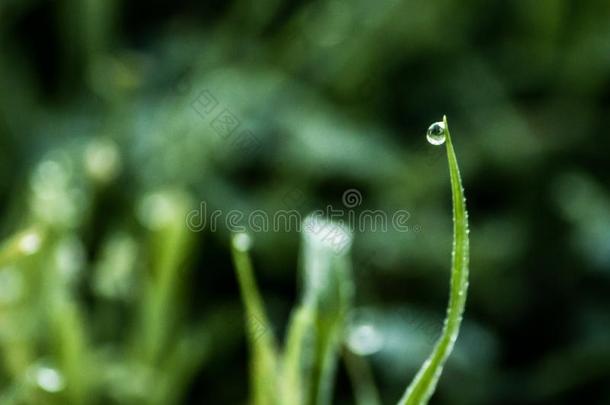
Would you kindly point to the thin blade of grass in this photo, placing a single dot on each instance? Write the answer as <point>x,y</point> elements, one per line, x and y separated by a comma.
<point>297,362</point>
<point>264,358</point>
<point>423,385</point>
<point>161,305</point>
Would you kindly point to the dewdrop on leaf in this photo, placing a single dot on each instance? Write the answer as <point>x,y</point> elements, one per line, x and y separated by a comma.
<point>437,133</point>
<point>47,378</point>
<point>363,336</point>
<point>242,242</point>
<point>29,242</point>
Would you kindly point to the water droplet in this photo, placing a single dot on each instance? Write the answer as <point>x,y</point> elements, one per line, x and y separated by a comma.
<point>29,243</point>
<point>363,336</point>
<point>365,340</point>
<point>47,378</point>
<point>242,242</point>
<point>436,133</point>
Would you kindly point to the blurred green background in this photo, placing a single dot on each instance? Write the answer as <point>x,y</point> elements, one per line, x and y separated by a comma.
<point>106,146</point>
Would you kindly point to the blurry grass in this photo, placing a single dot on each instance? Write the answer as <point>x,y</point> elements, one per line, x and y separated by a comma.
<point>364,48</point>
<point>306,371</point>
<point>317,326</point>
<point>133,344</point>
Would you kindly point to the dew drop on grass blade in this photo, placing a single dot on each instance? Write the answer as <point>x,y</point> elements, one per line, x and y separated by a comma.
<point>423,385</point>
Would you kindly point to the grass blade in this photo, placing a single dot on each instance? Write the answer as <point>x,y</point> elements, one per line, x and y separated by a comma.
<point>316,330</point>
<point>264,366</point>
<point>171,245</point>
<point>424,383</point>
<point>361,376</point>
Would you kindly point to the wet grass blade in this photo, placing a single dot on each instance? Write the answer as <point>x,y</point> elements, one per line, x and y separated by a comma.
<point>424,383</point>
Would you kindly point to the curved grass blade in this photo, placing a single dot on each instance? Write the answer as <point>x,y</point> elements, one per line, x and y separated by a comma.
<point>423,385</point>
<point>264,366</point>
